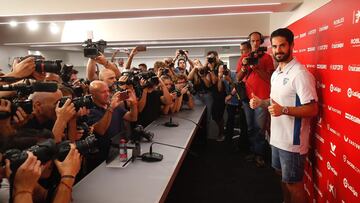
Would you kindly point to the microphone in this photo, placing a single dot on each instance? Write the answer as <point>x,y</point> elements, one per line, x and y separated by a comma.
<point>170,123</point>
<point>34,87</point>
<point>153,156</point>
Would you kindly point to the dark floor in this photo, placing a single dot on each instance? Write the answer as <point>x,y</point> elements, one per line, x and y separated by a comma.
<point>219,173</point>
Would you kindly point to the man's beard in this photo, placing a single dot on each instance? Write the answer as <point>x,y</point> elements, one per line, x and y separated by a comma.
<point>281,57</point>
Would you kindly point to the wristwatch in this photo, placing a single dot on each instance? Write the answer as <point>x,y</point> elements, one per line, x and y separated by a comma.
<point>285,110</point>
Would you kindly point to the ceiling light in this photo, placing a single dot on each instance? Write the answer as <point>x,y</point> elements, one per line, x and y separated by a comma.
<point>32,25</point>
<point>54,28</point>
<point>13,23</point>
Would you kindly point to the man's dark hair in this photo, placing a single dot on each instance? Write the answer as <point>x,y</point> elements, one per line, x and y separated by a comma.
<point>142,64</point>
<point>212,52</point>
<point>283,32</point>
<point>247,44</point>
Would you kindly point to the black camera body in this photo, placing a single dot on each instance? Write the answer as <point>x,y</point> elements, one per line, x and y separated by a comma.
<point>164,71</point>
<point>203,71</point>
<point>150,78</point>
<point>254,56</point>
<point>85,101</point>
<point>226,71</point>
<point>48,150</point>
<point>139,132</point>
<point>93,49</point>
<point>211,59</point>
<point>182,52</point>
<point>26,105</point>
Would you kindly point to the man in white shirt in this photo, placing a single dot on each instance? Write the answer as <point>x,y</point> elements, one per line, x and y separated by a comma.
<point>292,103</point>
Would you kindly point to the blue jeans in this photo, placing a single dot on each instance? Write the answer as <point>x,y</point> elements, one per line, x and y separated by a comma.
<point>290,164</point>
<point>256,122</point>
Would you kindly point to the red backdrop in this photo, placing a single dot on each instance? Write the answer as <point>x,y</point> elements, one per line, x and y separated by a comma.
<point>327,42</point>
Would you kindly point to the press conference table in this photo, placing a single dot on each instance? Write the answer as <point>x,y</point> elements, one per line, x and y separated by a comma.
<point>143,182</point>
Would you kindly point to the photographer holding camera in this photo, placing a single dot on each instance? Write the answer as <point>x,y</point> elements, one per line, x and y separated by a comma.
<point>100,59</point>
<point>182,57</point>
<point>185,88</point>
<point>255,70</point>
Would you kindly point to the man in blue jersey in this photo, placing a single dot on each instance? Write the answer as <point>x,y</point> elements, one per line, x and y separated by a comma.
<point>292,103</point>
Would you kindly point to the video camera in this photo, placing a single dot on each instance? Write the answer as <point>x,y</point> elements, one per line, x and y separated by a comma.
<point>85,101</point>
<point>48,150</point>
<point>42,65</point>
<point>253,59</point>
<point>93,49</point>
<point>150,78</point>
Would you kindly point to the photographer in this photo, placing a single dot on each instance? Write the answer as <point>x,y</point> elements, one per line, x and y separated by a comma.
<point>152,98</point>
<point>108,76</point>
<point>8,123</point>
<point>101,59</point>
<point>47,113</point>
<point>185,88</point>
<point>255,70</point>
<point>107,115</point>
<point>182,57</point>
<point>173,93</point>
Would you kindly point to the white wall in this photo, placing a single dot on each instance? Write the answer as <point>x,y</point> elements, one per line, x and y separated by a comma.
<point>283,19</point>
<point>7,55</point>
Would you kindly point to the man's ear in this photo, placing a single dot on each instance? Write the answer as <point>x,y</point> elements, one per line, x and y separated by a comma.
<point>36,106</point>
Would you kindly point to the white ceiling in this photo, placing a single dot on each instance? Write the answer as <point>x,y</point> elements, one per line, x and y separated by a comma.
<point>127,23</point>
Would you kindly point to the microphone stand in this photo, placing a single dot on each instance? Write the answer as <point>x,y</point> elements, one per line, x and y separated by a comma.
<point>170,123</point>
<point>153,156</point>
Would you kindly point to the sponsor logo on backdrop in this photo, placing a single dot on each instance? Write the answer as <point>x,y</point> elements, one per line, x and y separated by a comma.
<point>311,49</point>
<point>331,168</point>
<point>352,93</point>
<point>323,28</point>
<point>333,130</point>
<point>350,164</point>
<point>334,110</point>
<point>351,142</point>
<point>352,118</point>
<point>339,22</point>
<point>337,45</point>
<point>319,138</point>
<point>334,88</point>
<point>350,187</point>
<point>320,85</point>
<point>302,50</point>
<point>332,149</point>
<point>336,67</point>
<point>318,155</point>
<point>295,51</point>
<point>308,160</point>
<point>356,16</point>
<point>302,35</point>
<point>318,172</point>
<point>355,42</point>
<point>321,66</point>
<point>312,32</point>
<point>318,190</point>
<point>331,188</point>
<point>296,36</point>
<point>319,121</point>
<point>323,47</point>
<point>354,68</point>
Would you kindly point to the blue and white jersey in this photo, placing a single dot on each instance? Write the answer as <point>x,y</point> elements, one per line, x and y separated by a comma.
<point>293,86</point>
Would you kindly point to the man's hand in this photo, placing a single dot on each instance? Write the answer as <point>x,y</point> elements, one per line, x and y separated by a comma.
<point>66,112</point>
<point>25,68</point>
<point>244,61</point>
<point>20,118</point>
<point>71,164</point>
<point>255,101</point>
<point>5,105</point>
<point>83,111</point>
<point>184,90</point>
<point>275,109</point>
<point>27,174</point>
<point>115,100</point>
<point>101,59</point>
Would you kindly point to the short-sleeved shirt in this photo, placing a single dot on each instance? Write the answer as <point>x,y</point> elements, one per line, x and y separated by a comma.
<point>291,87</point>
<point>253,82</point>
<point>116,126</point>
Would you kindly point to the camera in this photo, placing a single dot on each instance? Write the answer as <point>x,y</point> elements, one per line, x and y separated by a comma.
<point>203,71</point>
<point>42,65</point>
<point>164,71</point>
<point>139,132</point>
<point>26,105</point>
<point>85,101</point>
<point>226,70</point>
<point>93,49</point>
<point>66,73</point>
<point>211,59</point>
<point>253,59</point>
<point>48,150</point>
<point>150,78</point>
<point>190,87</point>
<point>182,52</point>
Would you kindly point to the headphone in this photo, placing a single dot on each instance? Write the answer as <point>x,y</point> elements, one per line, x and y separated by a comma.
<point>261,36</point>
